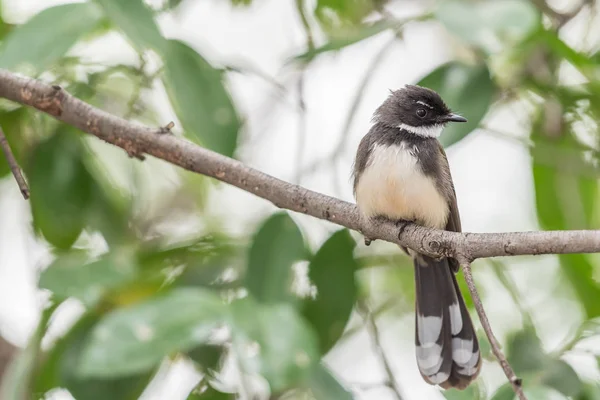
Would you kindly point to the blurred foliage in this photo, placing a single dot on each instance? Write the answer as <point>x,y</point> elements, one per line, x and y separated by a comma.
<point>215,300</point>
<point>469,87</point>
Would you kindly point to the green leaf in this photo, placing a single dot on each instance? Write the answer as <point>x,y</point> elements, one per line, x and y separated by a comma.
<point>191,253</point>
<point>136,20</point>
<point>171,4</point>
<point>204,259</point>
<point>331,271</point>
<point>504,392</point>
<point>274,341</point>
<point>590,392</point>
<point>347,38</point>
<point>110,209</point>
<point>207,392</point>
<point>277,245</point>
<point>136,338</point>
<point>485,349</point>
<point>199,98</point>
<point>209,357</point>
<point>464,289</point>
<point>489,23</point>
<point>560,376</point>
<point>241,2</point>
<point>586,64</point>
<point>468,90</point>
<point>74,197</point>
<point>525,353</point>
<point>553,178</point>
<point>19,373</point>
<point>70,276</point>
<point>580,273</point>
<point>61,188</point>
<point>14,124</point>
<point>324,386</point>
<point>338,13</point>
<point>61,364</point>
<point>533,392</point>
<point>471,393</point>
<point>540,393</point>
<point>5,27</point>
<point>47,36</point>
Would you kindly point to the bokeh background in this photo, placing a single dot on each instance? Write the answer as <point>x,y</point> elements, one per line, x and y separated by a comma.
<point>126,279</point>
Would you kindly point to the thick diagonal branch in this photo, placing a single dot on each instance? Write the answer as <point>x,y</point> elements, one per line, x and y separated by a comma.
<point>137,139</point>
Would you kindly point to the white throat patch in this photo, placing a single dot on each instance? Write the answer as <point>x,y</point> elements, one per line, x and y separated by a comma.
<point>425,131</point>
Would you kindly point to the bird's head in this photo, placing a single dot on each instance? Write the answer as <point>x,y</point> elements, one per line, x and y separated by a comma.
<point>416,109</point>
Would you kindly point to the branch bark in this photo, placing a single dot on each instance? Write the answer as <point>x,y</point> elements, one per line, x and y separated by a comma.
<point>13,165</point>
<point>137,140</point>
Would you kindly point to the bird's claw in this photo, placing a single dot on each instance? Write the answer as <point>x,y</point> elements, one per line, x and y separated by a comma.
<point>402,224</point>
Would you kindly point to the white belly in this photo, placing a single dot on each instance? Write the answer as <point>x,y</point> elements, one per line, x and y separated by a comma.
<point>394,186</point>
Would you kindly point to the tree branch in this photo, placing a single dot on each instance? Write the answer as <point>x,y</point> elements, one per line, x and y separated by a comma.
<point>373,332</point>
<point>13,165</point>
<point>7,353</point>
<point>508,371</point>
<point>138,139</point>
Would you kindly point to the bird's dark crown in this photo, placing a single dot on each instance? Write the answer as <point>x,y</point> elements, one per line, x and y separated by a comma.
<point>414,106</point>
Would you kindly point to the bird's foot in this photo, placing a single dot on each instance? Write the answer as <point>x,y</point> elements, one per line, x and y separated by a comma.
<point>402,224</point>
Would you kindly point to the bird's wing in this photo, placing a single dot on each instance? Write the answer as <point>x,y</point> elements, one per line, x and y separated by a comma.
<point>453,223</point>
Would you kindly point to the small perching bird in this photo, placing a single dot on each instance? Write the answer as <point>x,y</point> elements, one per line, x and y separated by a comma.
<point>401,174</point>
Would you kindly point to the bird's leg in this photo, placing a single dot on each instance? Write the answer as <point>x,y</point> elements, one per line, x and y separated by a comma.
<point>402,224</point>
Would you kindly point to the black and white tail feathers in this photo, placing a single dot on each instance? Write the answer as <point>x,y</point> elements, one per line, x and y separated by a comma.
<point>447,346</point>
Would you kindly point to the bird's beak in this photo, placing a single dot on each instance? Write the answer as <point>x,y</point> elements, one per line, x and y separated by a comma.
<point>454,118</point>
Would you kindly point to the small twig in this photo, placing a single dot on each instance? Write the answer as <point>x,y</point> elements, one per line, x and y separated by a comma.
<point>14,166</point>
<point>310,44</point>
<point>167,128</point>
<point>137,90</point>
<point>511,287</point>
<point>340,147</point>
<point>378,348</point>
<point>571,343</point>
<point>301,128</point>
<point>248,69</point>
<point>386,306</point>
<point>508,371</point>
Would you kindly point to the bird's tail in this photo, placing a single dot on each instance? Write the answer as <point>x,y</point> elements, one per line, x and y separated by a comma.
<point>447,347</point>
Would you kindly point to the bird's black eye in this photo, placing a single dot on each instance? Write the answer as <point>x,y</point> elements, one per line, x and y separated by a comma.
<point>421,113</point>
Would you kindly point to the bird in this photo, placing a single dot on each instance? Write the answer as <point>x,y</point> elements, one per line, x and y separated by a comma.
<point>401,174</point>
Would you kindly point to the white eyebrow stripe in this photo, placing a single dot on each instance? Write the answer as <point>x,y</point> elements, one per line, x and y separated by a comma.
<point>424,104</point>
